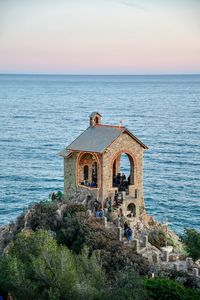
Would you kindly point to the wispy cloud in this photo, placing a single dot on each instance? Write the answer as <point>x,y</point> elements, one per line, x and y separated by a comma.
<point>132,3</point>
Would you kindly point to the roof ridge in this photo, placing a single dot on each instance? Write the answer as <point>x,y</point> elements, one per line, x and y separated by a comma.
<point>108,125</point>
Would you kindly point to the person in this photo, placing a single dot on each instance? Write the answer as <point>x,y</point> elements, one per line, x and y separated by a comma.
<point>96,205</point>
<point>123,177</point>
<point>59,196</point>
<point>94,179</point>
<point>9,297</point>
<point>128,231</point>
<point>88,202</point>
<point>116,199</point>
<point>101,214</point>
<point>114,180</point>
<point>125,227</point>
<point>93,185</point>
<point>122,187</point>
<point>53,198</point>
<point>118,179</point>
<point>86,183</point>
<point>107,203</point>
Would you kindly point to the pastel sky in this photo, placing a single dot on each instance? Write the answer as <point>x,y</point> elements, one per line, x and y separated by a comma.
<point>100,36</point>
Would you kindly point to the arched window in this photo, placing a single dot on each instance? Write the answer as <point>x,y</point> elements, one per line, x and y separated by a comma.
<point>85,172</point>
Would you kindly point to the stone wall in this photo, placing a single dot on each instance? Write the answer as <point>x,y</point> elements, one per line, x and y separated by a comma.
<point>69,175</point>
<point>72,190</point>
<point>124,144</point>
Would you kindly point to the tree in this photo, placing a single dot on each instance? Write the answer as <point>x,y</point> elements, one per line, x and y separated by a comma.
<point>167,289</point>
<point>191,238</point>
<point>127,285</point>
<point>36,267</point>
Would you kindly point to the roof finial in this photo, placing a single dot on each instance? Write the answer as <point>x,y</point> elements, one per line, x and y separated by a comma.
<point>121,122</point>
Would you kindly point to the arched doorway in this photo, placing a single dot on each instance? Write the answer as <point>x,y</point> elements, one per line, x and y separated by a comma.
<point>131,209</point>
<point>123,171</point>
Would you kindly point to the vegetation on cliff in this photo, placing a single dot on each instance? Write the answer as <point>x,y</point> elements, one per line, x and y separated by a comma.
<point>36,267</point>
<point>191,239</point>
<point>58,251</point>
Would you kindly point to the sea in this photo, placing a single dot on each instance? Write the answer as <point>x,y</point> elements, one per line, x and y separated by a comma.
<point>41,114</point>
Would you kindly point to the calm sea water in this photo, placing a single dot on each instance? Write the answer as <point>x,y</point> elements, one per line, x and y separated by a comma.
<point>40,115</point>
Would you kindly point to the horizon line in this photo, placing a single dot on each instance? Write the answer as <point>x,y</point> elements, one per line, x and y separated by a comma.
<point>98,74</point>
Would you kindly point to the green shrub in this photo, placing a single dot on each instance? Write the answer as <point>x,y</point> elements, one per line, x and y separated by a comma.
<point>191,238</point>
<point>36,267</point>
<point>127,285</point>
<point>158,237</point>
<point>166,289</point>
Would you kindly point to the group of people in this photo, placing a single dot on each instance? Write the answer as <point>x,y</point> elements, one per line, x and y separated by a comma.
<point>121,181</point>
<point>107,203</point>
<point>99,213</point>
<point>92,184</point>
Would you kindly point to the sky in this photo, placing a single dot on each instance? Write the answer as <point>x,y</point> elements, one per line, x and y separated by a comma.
<point>100,36</point>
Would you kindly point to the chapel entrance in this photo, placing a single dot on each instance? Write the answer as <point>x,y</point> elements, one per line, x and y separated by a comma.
<point>123,171</point>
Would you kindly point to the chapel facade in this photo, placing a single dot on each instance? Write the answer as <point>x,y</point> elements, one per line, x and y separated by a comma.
<point>92,167</point>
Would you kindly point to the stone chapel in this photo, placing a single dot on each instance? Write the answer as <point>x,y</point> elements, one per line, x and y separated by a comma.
<point>92,167</point>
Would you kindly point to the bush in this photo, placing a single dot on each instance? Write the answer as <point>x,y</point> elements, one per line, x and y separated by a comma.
<point>127,285</point>
<point>166,289</point>
<point>158,237</point>
<point>191,238</point>
<point>36,267</point>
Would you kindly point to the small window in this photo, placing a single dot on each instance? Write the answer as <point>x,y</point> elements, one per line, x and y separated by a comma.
<point>96,120</point>
<point>85,172</point>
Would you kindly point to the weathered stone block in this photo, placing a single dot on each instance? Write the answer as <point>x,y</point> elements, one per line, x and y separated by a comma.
<point>195,272</point>
<point>104,221</point>
<point>135,243</point>
<point>119,232</point>
<point>189,263</point>
<point>166,256</point>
